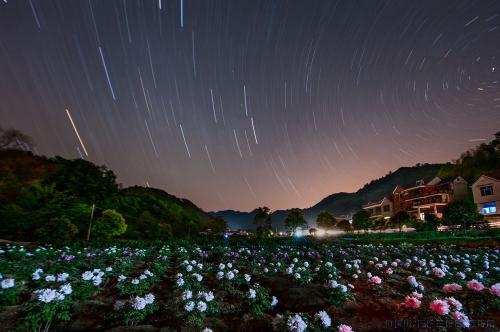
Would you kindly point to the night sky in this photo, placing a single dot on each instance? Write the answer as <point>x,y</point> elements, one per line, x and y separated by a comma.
<point>244,103</point>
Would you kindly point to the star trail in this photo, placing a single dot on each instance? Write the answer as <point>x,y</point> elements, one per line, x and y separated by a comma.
<point>240,104</point>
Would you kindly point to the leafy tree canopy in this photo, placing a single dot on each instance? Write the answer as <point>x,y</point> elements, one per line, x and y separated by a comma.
<point>361,220</point>
<point>110,224</point>
<point>462,212</point>
<point>295,219</point>
<point>326,220</point>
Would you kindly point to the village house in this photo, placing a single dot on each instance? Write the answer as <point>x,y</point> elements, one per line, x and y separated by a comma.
<point>486,192</point>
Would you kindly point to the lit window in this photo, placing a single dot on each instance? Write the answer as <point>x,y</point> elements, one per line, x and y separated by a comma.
<point>488,208</point>
<point>486,191</point>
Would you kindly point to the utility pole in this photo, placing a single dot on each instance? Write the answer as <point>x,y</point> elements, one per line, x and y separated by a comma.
<point>90,225</point>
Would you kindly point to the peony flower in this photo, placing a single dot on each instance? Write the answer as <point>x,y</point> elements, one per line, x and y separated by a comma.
<point>7,283</point>
<point>121,278</point>
<point>220,275</point>
<point>411,302</point>
<point>50,278</point>
<point>46,295</point>
<point>475,285</point>
<point>440,307</point>
<point>59,296</point>
<point>376,280</point>
<point>180,282</point>
<point>66,289</point>
<point>201,306</point>
<point>451,288</point>
<point>324,318</point>
<point>460,317</point>
<point>206,329</point>
<point>189,268</point>
<point>389,271</point>
<point>229,275</point>
<point>251,294</point>
<point>438,272</point>
<point>61,277</point>
<point>186,295</point>
<point>149,298</point>
<point>274,301</point>
<point>333,283</point>
<point>295,323</point>
<point>495,289</point>
<point>189,306</point>
<point>138,303</point>
<point>247,277</point>
<point>87,275</point>
<point>454,302</point>
<point>209,296</point>
<point>344,328</point>
<point>416,295</point>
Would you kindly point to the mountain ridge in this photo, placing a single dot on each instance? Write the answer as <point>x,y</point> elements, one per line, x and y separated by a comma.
<point>341,204</point>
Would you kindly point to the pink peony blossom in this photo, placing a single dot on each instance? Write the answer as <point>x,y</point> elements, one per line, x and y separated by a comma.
<point>495,289</point>
<point>454,302</point>
<point>440,307</point>
<point>460,317</point>
<point>411,302</point>
<point>376,280</point>
<point>416,295</point>
<point>475,285</point>
<point>345,328</point>
<point>451,288</point>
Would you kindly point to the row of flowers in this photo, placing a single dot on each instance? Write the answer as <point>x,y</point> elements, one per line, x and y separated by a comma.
<point>48,281</point>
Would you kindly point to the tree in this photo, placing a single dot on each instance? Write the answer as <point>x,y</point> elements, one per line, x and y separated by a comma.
<point>14,139</point>
<point>57,230</point>
<point>263,220</point>
<point>431,223</point>
<point>361,220</point>
<point>110,224</point>
<point>325,220</point>
<point>216,224</point>
<point>378,224</point>
<point>345,225</point>
<point>399,219</point>
<point>295,219</point>
<point>460,212</point>
<point>313,231</point>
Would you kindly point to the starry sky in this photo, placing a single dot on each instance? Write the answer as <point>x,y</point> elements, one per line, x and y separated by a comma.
<point>245,103</point>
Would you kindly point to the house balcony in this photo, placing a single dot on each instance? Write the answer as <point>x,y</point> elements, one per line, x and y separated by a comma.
<point>439,193</point>
<point>430,202</point>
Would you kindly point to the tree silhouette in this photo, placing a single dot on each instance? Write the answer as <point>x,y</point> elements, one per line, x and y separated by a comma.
<point>263,219</point>
<point>14,139</point>
<point>325,220</point>
<point>294,220</point>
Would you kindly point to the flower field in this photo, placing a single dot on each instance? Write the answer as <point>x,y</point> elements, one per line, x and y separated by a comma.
<point>249,287</point>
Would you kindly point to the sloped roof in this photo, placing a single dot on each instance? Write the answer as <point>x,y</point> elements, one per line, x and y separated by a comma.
<point>380,199</point>
<point>450,179</point>
<point>494,175</point>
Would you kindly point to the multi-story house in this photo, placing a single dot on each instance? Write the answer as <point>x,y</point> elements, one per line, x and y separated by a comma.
<point>424,198</point>
<point>380,207</point>
<point>486,192</point>
<point>430,197</point>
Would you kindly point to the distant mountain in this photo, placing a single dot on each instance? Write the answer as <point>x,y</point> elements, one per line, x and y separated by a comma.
<point>340,204</point>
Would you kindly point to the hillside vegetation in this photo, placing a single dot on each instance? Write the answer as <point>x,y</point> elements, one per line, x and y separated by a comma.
<point>37,190</point>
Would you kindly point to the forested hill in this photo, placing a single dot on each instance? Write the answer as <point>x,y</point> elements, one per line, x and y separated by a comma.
<point>34,190</point>
<point>342,203</point>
